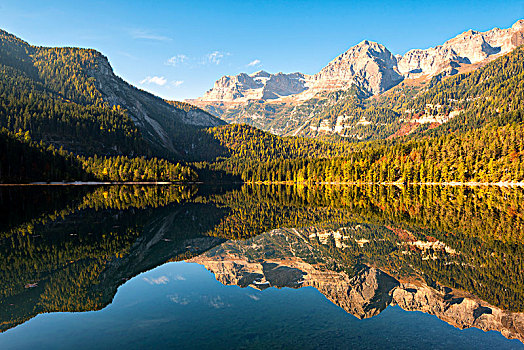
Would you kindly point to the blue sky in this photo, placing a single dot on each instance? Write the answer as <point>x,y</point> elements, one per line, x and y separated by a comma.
<point>177,49</point>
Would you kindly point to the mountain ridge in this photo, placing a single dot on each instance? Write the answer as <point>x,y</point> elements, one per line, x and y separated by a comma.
<point>469,47</point>
<point>345,84</point>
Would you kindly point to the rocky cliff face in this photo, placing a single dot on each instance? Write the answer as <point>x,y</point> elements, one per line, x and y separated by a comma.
<point>259,85</point>
<point>458,310</point>
<point>368,293</point>
<point>150,113</point>
<point>368,65</point>
<point>364,295</point>
<point>467,48</point>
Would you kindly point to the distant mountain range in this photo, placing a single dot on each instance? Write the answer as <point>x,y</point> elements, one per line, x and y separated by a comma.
<point>286,104</point>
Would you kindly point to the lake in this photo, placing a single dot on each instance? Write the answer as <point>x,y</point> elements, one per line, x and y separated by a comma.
<point>261,266</point>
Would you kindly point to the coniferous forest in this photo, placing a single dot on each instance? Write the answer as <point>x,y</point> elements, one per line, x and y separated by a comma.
<point>58,126</point>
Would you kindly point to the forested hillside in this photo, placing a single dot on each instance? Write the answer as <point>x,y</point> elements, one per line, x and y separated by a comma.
<point>70,97</point>
<point>66,116</point>
<point>487,154</point>
<point>482,143</point>
<point>23,160</point>
<point>27,103</point>
<point>491,154</point>
<point>246,142</point>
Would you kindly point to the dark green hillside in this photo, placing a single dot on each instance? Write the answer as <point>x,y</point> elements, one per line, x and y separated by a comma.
<point>29,106</point>
<point>48,112</point>
<point>70,97</point>
<point>239,149</point>
<point>24,161</point>
<point>246,142</point>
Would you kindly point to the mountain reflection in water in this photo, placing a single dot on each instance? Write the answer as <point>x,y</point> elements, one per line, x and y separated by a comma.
<point>452,252</point>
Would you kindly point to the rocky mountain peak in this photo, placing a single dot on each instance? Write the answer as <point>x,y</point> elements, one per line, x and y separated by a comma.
<point>260,74</point>
<point>259,85</point>
<point>466,48</point>
<point>372,67</point>
<point>518,25</point>
<point>368,64</point>
<point>369,44</point>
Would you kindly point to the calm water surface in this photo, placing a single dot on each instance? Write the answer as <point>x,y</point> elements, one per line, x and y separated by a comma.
<point>261,267</point>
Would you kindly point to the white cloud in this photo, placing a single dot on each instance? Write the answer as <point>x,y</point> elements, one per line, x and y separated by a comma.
<point>175,298</point>
<point>215,57</point>
<point>147,35</point>
<point>159,280</point>
<point>177,60</point>
<point>177,83</point>
<point>215,302</point>
<point>253,63</point>
<point>161,81</point>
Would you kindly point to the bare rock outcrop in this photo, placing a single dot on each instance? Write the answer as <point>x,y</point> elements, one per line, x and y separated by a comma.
<point>368,65</point>
<point>459,311</point>
<point>150,113</point>
<point>469,47</point>
<point>259,85</point>
<point>369,292</point>
<point>363,295</point>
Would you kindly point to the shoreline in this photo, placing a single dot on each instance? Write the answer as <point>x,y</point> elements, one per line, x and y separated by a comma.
<point>98,183</point>
<point>453,183</point>
<point>336,183</point>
